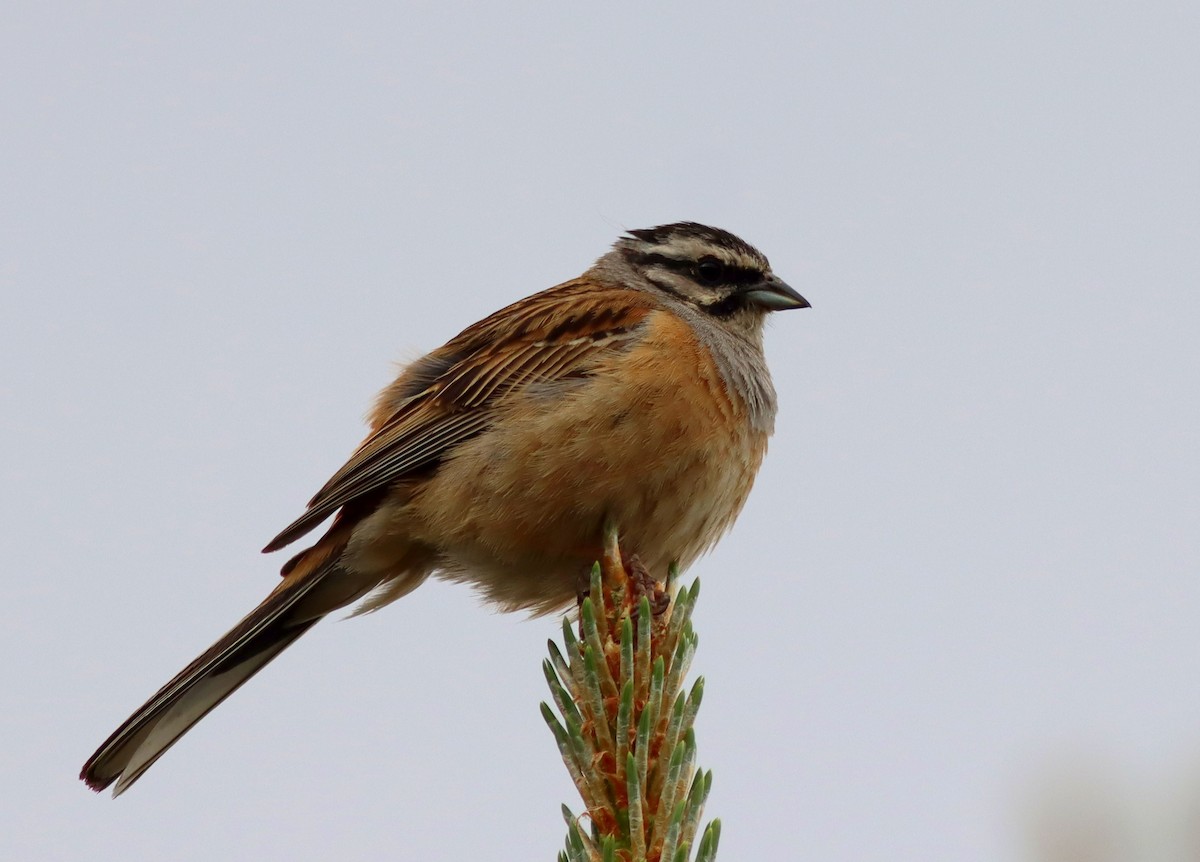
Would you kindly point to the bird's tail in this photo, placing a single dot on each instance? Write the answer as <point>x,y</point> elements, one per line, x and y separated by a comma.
<point>314,586</point>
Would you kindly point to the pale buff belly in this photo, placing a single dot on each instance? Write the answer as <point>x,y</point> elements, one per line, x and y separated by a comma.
<point>519,511</point>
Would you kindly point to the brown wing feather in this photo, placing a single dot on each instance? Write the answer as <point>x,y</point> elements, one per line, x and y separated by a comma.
<point>553,335</point>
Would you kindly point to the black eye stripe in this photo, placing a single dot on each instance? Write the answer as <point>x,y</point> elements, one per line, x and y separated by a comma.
<point>731,274</point>
<point>672,263</point>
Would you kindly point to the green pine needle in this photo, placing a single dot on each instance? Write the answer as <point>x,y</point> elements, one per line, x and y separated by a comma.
<point>624,724</point>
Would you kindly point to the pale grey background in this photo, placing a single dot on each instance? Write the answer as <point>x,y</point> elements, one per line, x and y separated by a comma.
<point>972,552</point>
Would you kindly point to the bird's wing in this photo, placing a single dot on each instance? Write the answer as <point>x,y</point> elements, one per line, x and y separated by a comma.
<point>449,396</point>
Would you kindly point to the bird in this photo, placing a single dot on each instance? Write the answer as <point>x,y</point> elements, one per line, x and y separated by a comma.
<point>636,395</point>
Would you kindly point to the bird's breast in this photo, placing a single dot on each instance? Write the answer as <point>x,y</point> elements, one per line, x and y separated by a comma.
<point>652,439</point>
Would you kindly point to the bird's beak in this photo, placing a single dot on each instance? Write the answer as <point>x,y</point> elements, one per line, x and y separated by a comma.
<point>773,294</point>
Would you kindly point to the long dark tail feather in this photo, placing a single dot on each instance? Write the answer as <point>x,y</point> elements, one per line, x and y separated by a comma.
<point>287,613</point>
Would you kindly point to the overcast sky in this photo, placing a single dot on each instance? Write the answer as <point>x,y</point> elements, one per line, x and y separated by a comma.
<point>966,580</point>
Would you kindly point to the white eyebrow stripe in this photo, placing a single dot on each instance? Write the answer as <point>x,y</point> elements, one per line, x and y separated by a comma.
<point>688,248</point>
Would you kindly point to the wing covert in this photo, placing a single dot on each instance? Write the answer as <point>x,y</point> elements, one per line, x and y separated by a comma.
<point>557,334</point>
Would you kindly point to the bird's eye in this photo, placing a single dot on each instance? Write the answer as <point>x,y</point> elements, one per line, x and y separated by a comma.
<point>710,271</point>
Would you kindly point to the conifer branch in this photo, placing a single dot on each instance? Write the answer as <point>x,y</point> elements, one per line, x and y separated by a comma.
<point>624,723</point>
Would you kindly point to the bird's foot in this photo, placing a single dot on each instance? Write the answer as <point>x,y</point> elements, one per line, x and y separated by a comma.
<point>644,584</point>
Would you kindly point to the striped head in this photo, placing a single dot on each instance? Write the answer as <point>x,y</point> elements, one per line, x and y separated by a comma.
<point>709,269</point>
